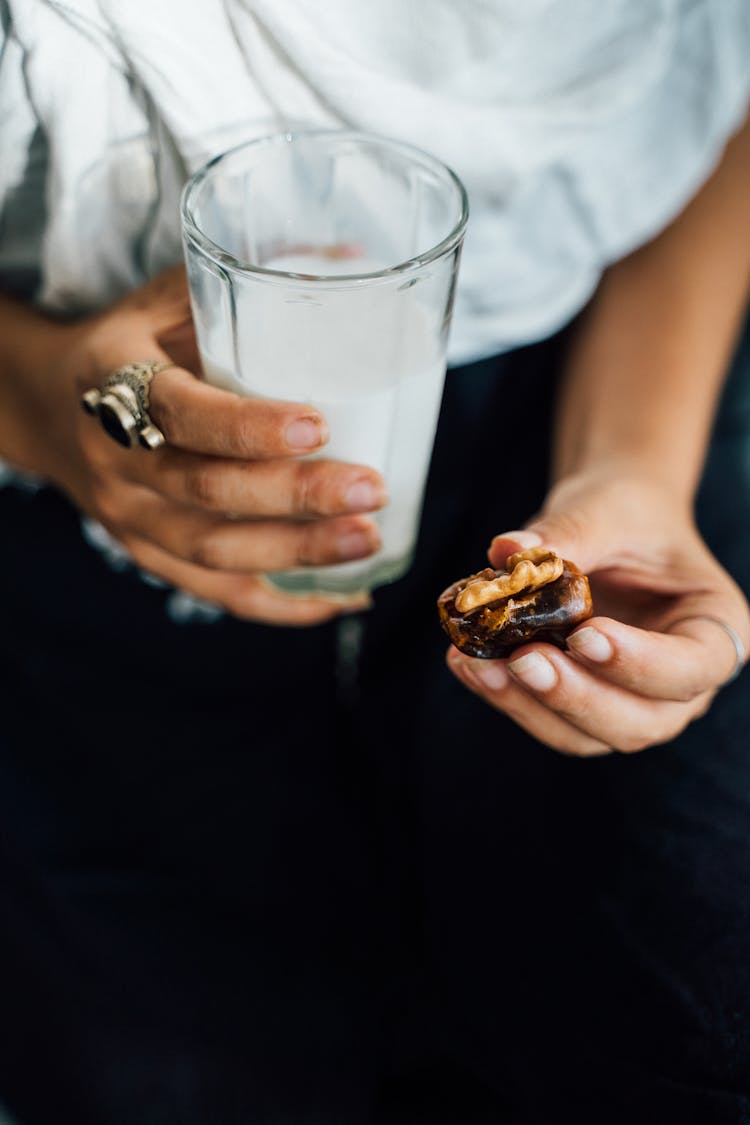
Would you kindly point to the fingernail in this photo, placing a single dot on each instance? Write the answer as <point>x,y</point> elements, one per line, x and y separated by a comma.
<point>535,671</point>
<point>490,674</point>
<point>355,544</point>
<point>591,643</point>
<point>364,495</point>
<point>305,433</point>
<point>523,538</point>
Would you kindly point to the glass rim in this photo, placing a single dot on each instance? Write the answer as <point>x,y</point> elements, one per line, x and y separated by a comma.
<point>223,258</point>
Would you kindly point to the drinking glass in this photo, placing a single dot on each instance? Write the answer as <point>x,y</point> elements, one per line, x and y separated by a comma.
<point>322,266</point>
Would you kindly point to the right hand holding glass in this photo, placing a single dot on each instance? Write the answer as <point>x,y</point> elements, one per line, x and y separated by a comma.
<point>229,497</point>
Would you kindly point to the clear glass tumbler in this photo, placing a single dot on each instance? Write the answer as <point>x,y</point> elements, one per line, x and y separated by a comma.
<point>322,266</point>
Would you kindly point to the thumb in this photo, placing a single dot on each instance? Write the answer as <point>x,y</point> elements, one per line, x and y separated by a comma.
<point>569,534</point>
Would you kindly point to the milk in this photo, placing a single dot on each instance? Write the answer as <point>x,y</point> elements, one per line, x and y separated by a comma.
<point>371,359</point>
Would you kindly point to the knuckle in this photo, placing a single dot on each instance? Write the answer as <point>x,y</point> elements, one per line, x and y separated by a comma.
<point>305,491</point>
<point>683,693</point>
<point>208,550</point>
<point>204,487</point>
<point>311,546</point>
<point>566,525</point>
<point>245,433</point>
<point>692,691</point>
<point>570,703</point>
<point>165,412</point>
<point>305,553</point>
<point>570,524</point>
<point>685,684</point>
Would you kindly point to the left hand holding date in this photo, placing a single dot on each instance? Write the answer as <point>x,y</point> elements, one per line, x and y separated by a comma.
<point>657,649</point>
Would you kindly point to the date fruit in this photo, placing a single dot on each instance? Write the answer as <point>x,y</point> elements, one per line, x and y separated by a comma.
<point>539,597</point>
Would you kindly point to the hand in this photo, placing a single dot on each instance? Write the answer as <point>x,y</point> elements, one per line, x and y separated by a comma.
<point>649,663</point>
<point>228,498</point>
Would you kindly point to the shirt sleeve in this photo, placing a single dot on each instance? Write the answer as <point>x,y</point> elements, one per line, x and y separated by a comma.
<point>23,161</point>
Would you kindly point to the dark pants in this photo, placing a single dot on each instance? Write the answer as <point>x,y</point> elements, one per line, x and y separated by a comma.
<point>242,886</point>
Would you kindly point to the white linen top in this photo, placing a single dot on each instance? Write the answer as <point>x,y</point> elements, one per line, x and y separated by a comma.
<point>580,129</point>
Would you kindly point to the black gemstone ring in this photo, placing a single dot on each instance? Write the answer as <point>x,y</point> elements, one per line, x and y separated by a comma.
<point>122,404</point>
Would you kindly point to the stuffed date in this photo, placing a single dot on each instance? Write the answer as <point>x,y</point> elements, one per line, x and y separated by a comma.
<point>538,597</point>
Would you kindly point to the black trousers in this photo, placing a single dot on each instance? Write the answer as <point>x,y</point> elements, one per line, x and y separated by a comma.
<point>241,885</point>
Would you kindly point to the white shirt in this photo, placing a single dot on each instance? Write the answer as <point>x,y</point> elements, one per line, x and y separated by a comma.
<point>580,129</point>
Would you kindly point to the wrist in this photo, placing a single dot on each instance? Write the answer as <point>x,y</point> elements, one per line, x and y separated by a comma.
<point>643,474</point>
<point>32,342</point>
<point>632,491</point>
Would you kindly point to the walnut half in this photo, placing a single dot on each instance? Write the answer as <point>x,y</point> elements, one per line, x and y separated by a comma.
<point>539,597</point>
<point>526,570</point>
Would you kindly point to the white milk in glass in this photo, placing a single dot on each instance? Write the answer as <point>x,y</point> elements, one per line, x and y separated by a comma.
<point>373,362</point>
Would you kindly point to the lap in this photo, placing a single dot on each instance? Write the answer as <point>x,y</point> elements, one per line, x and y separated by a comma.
<point>261,883</point>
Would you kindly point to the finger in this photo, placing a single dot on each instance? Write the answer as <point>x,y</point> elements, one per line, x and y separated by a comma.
<point>490,679</point>
<point>250,598</point>
<point>289,487</point>
<point>569,534</point>
<point>195,416</point>
<point>509,542</point>
<point>692,658</point>
<point>736,642</point>
<point>602,710</point>
<point>204,419</point>
<point>219,543</point>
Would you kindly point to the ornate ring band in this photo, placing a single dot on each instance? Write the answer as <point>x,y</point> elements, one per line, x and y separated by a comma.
<point>122,404</point>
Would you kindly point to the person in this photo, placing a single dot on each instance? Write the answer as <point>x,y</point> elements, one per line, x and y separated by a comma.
<point>277,859</point>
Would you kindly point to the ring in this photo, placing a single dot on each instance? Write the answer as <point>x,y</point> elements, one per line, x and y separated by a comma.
<point>122,404</point>
<point>739,647</point>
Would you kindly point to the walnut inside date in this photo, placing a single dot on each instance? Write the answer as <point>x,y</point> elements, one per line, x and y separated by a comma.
<point>538,597</point>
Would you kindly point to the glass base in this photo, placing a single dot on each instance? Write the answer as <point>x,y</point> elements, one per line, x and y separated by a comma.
<point>344,578</point>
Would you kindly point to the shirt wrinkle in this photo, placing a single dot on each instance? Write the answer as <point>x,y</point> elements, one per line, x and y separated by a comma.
<point>579,135</point>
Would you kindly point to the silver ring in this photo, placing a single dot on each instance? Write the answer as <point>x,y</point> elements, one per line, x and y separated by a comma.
<point>122,404</point>
<point>739,647</point>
